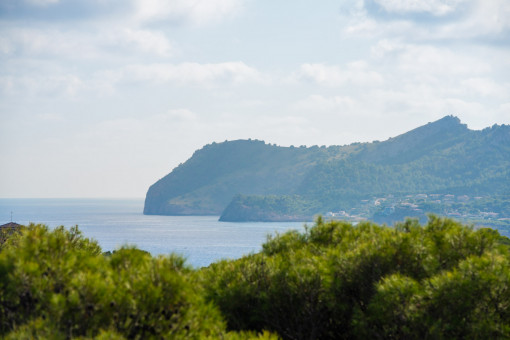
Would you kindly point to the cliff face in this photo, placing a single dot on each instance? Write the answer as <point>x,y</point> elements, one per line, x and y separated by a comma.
<point>442,156</point>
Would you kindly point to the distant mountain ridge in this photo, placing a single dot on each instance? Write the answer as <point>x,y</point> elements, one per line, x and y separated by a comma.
<point>442,157</point>
<point>417,142</point>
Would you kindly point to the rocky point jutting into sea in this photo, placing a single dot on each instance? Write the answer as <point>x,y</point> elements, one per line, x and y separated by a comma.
<point>246,180</point>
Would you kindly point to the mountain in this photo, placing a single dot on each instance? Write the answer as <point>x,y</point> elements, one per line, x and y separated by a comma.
<point>208,181</point>
<point>259,181</point>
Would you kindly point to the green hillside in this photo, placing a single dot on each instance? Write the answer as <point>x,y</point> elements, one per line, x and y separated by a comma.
<point>443,157</point>
<point>270,208</point>
<point>207,182</point>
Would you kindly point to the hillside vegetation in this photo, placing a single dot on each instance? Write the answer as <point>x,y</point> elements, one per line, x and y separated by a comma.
<point>334,281</point>
<point>443,157</point>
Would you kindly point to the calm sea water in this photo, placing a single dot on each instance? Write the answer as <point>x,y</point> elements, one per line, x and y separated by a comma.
<point>113,223</point>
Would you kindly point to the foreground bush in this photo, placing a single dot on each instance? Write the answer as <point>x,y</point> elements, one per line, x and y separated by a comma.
<point>334,281</point>
<point>338,281</point>
<point>57,284</point>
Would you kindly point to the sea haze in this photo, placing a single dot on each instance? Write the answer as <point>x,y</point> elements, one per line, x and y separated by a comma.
<point>113,223</point>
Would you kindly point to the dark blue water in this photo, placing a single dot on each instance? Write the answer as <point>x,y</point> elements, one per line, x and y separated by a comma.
<point>113,223</point>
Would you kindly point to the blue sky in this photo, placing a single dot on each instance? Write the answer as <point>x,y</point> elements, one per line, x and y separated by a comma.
<point>100,98</point>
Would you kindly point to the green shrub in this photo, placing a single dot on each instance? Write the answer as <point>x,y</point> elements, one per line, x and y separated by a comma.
<point>57,284</point>
<point>340,281</point>
<point>334,281</point>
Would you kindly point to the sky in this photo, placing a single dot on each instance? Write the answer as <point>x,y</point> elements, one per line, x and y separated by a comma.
<point>101,98</point>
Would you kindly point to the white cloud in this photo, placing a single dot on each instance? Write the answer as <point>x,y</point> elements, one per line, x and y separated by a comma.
<point>455,19</point>
<point>95,43</point>
<point>57,82</point>
<point>320,103</point>
<point>194,73</point>
<point>357,73</point>
<point>177,116</point>
<point>39,42</point>
<point>198,12</point>
<point>151,42</point>
<point>430,60</point>
<point>435,7</point>
<point>486,87</point>
<point>441,71</point>
<point>385,47</point>
<point>487,18</point>
<point>67,85</point>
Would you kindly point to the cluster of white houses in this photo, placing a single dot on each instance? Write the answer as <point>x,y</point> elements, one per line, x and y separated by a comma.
<point>387,205</point>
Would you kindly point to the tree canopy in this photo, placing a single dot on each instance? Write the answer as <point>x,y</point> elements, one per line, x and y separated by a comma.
<point>335,280</point>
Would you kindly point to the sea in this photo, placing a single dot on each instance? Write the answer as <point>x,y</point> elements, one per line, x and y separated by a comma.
<point>114,223</point>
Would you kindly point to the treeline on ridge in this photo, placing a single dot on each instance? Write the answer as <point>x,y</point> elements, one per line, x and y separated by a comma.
<point>441,280</point>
